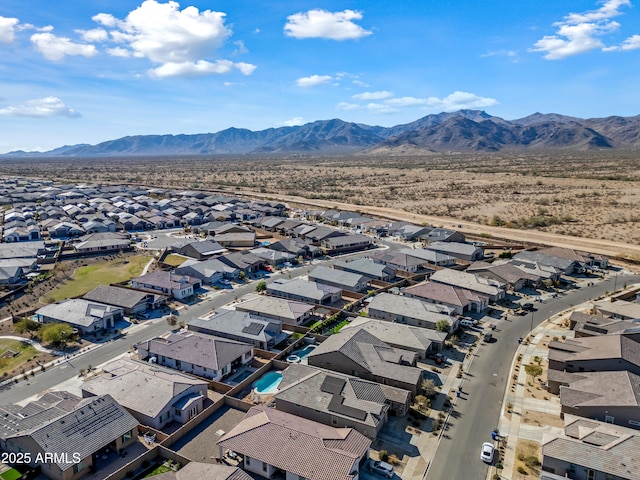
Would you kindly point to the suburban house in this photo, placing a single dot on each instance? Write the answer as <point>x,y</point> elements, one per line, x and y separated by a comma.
<point>103,242</point>
<point>244,261</point>
<point>605,353</point>
<point>357,352</point>
<point>612,397</point>
<point>261,332</point>
<point>352,282</point>
<point>458,299</point>
<point>421,341</point>
<point>177,286</point>
<point>296,247</point>
<point>287,311</point>
<point>199,250</point>
<point>589,449</point>
<point>429,257</point>
<point>368,268</point>
<point>155,396</point>
<point>11,275</point>
<point>86,316</point>
<point>410,311</point>
<point>202,471</point>
<point>444,235</point>
<point>304,291</point>
<point>410,232</point>
<point>78,432</point>
<point>481,285</point>
<point>588,260</point>
<point>196,353</point>
<point>402,262</point>
<point>273,257</point>
<point>234,236</point>
<point>339,400</point>
<point>566,266</point>
<point>513,277</point>
<point>619,309</point>
<point>271,440</point>
<point>131,301</point>
<point>207,271</point>
<point>345,243</point>
<point>462,251</point>
<point>587,325</point>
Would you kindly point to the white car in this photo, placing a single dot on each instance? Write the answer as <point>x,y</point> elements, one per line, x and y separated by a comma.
<point>486,454</point>
<point>381,468</point>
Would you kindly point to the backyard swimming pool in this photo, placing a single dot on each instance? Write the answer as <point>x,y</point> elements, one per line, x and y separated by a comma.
<point>268,383</point>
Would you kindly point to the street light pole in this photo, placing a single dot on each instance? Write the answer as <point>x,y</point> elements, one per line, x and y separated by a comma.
<point>531,329</point>
<point>615,282</point>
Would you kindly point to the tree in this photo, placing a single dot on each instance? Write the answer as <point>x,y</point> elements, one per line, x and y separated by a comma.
<point>27,325</point>
<point>442,326</point>
<point>172,320</point>
<point>261,286</point>
<point>533,370</point>
<point>428,386</point>
<point>56,333</point>
<point>242,275</point>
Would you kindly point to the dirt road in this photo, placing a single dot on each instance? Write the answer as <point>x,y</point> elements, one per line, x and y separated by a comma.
<point>597,246</point>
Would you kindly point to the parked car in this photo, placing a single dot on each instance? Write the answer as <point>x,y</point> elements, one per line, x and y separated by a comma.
<point>224,281</point>
<point>488,337</point>
<point>528,306</point>
<point>381,468</point>
<point>486,453</point>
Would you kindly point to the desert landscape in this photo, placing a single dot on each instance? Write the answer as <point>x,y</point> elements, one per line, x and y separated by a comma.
<point>591,195</point>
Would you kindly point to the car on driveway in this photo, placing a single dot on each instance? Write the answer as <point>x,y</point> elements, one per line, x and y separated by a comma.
<point>381,468</point>
<point>486,453</point>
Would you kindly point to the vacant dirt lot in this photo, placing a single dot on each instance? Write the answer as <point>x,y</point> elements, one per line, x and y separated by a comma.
<point>588,195</point>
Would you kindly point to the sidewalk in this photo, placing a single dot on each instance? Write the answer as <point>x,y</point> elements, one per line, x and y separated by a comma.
<point>514,428</point>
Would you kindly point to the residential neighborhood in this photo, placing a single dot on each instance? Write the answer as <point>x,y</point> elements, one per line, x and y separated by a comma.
<point>246,338</point>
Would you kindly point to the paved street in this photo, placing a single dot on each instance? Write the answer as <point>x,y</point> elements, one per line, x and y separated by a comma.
<point>458,457</point>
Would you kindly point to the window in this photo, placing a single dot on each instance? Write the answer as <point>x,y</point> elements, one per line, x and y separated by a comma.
<point>178,363</point>
<point>247,461</point>
<point>591,474</point>
<point>572,468</point>
<point>127,436</point>
<point>265,466</point>
<point>78,467</point>
<point>608,419</point>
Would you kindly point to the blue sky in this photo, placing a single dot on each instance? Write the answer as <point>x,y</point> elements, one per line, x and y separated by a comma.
<point>86,71</point>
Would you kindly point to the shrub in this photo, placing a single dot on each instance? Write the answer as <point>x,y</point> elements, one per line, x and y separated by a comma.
<point>522,470</point>
<point>383,455</point>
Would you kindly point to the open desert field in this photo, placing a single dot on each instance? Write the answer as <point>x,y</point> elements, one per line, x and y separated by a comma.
<point>592,195</point>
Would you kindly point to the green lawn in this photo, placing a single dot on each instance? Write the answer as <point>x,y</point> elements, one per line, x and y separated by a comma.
<point>158,471</point>
<point>11,474</point>
<point>87,278</point>
<point>25,353</point>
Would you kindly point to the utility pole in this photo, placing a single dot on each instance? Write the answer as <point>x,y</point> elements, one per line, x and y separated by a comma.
<point>531,329</point>
<point>615,282</point>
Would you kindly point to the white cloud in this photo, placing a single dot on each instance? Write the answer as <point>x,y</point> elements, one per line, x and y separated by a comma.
<point>181,42</point>
<point>407,101</point>
<point>240,48</point>
<point>362,84</point>
<point>93,35</point>
<point>313,80</point>
<point>41,107</point>
<point>348,106</point>
<point>631,43</point>
<point>381,95</point>
<point>381,108</point>
<point>200,67</point>
<point>292,122</point>
<point>7,29</point>
<point>458,101</point>
<point>511,55</point>
<point>579,33</point>
<point>323,24</point>
<point>56,48</point>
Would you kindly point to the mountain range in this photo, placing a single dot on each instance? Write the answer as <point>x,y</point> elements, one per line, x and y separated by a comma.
<point>461,131</point>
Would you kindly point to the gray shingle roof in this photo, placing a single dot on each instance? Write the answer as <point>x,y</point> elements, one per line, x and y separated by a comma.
<point>118,296</point>
<point>77,311</point>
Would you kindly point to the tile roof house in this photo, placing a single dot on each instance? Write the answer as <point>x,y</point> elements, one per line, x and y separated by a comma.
<point>75,430</point>
<point>339,400</point>
<point>271,440</point>
<point>353,282</point>
<point>515,278</point>
<point>345,243</point>
<point>410,311</point>
<point>304,291</point>
<point>155,396</point>
<point>592,449</point>
<point>357,352</point>
<point>178,286</point>
<point>613,397</point>
<point>103,242</point>
<point>287,311</point>
<point>402,262</point>
<point>86,316</point>
<point>422,341</point>
<point>565,265</point>
<point>261,332</point>
<point>459,299</point>
<point>586,325</point>
<point>618,309</point>
<point>605,353</point>
<point>208,271</point>
<point>205,471</point>
<point>131,301</point>
<point>200,250</point>
<point>485,286</point>
<point>200,354</point>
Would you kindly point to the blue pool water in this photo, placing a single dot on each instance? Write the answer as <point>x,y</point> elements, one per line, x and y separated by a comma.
<point>304,352</point>
<point>268,383</point>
